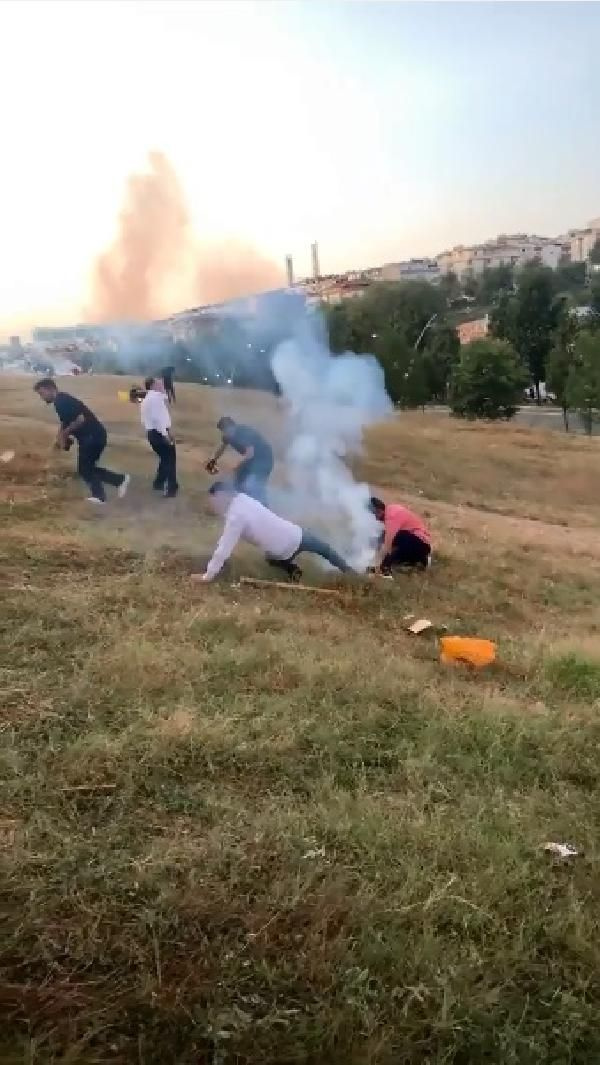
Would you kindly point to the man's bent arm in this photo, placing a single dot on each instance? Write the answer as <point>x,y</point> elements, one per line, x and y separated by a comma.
<point>66,430</point>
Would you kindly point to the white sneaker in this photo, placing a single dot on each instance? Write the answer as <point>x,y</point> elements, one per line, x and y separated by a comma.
<point>122,489</point>
<point>94,499</point>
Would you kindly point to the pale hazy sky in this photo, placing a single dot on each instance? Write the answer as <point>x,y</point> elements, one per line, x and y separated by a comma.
<point>383,130</point>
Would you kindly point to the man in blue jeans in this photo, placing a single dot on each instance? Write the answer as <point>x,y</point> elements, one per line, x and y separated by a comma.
<point>253,472</point>
<point>281,540</point>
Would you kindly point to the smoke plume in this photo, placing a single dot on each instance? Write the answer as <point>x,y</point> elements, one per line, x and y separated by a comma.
<point>330,401</point>
<point>131,279</point>
<point>157,265</point>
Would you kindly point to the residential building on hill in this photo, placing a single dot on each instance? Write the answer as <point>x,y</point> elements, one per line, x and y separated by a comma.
<point>581,241</point>
<point>506,250</point>
<point>412,270</point>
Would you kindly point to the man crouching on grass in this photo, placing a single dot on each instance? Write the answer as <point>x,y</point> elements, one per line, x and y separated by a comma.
<point>281,540</point>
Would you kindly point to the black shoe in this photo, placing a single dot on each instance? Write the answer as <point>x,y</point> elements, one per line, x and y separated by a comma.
<point>293,571</point>
<point>171,495</point>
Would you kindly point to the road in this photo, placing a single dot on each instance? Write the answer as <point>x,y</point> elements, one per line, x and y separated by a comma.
<point>538,418</point>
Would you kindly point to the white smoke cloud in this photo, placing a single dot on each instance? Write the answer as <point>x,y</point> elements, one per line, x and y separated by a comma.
<point>331,400</point>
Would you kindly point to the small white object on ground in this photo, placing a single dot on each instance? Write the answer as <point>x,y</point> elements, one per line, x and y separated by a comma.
<point>94,499</point>
<point>562,850</point>
<point>317,852</point>
<point>7,456</point>
<point>122,489</point>
<point>420,626</point>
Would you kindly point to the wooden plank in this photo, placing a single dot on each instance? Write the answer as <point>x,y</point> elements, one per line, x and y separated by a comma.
<point>291,586</point>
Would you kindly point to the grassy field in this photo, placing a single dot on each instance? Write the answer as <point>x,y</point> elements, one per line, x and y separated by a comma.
<point>242,826</point>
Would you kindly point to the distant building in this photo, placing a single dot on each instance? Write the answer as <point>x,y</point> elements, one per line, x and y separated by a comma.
<point>336,290</point>
<point>412,270</point>
<point>475,330</point>
<point>506,250</point>
<point>581,241</point>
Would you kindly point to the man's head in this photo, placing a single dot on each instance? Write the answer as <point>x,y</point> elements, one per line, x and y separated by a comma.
<point>377,507</point>
<point>46,389</point>
<point>220,495</point>
<point>225,423</point>
<point>154,383</point>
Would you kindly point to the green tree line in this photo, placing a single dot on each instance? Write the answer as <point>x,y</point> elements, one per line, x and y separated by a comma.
<point>544,328</point>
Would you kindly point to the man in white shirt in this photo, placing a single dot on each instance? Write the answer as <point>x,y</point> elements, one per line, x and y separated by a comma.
<point>156,420</point>
<point>281,540</point>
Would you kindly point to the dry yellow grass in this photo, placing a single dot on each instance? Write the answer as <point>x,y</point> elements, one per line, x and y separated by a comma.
<point>320,846</point>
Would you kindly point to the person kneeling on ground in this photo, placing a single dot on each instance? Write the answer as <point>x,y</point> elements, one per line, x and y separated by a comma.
<point>406,539</point>
<point>281,540</point>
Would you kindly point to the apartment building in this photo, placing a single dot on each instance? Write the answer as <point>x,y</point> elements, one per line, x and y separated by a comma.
<point>581,241</point>
<point>506,250</point>
<point>412,270</point>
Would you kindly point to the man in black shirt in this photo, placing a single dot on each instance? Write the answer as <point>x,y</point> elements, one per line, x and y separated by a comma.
<point>252,473</point>
<point>78,422</point>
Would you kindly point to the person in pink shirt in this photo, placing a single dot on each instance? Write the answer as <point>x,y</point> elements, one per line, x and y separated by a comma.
<point>406,540</point>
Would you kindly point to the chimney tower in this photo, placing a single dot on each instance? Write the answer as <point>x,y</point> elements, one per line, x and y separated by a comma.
<point>314,254</point>
<point>289,270</point>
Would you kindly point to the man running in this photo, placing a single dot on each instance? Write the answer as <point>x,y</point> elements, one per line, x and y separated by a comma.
<point>252,473</point>
<point>281,540</point>
<point>156,420</point>
<point>78,422</point>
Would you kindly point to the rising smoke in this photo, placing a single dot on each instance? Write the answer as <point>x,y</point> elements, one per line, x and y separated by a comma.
<point>330,400</point>
<point>157,264</point>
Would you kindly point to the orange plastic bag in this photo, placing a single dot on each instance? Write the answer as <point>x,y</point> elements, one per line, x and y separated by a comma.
<point>467,649</point>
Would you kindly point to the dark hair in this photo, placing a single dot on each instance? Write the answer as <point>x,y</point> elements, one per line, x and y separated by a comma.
<point>376,504</point>
<point>45,382</point>
<point>149,381</point>
<point>225,422</point>
<point>219,487</point>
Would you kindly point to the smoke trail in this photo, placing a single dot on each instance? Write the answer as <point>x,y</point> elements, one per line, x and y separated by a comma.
<point>157,265</point>
<point>331,400</point>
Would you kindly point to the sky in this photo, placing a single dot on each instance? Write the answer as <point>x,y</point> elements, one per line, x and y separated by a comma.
<point>383,130</point>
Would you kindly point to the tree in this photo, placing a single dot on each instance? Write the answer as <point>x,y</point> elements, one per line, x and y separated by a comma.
<point>496,280</point>
<point>561,360</point>
<point>487,381</point>
<point>440,354</point>
<point>403,368</point>
<point>570,277</point>
<point>583,384</point>
<point>470,284</point>
<point>595,253</point>
<point>528,319</point>
<point>594,299</point>
<point>449,286</point>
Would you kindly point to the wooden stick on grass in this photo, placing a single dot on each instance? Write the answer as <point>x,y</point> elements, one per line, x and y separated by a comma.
<point>291,587</point>
<point>90,787</point>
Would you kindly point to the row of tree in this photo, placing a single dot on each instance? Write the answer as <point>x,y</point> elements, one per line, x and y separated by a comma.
<point>538,334</point>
